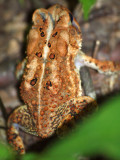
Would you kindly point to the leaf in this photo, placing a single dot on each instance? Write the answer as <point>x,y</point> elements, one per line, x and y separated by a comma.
<point>31,157</point>
<point>87,4</point>
<point>22,2</point>
<point>6,153</point>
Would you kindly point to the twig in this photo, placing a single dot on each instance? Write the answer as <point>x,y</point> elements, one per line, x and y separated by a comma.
<point>97,45</point>
<point>5,115</point>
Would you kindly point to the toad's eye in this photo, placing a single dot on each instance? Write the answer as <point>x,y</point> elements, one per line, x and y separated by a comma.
<point>71,17</point>
<point>74,22</point>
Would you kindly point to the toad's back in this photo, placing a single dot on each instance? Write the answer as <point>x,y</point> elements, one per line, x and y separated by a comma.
<point>50,78</point>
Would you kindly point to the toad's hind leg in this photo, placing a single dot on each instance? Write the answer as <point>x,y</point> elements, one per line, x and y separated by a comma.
<point>20,118</point>
<point>78,106</point>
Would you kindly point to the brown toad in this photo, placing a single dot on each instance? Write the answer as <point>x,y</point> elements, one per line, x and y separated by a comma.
<point>51,86</point>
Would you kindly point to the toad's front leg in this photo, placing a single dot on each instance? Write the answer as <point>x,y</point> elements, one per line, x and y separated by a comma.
<point>105,67</point>
<point>20,118</point>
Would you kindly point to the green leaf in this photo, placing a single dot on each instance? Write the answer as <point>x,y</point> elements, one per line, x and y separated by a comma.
<point>22,2</point>
<point>31,157</point>
<point>87,4</point>
<point>98,135</point>
<point>6,152</point>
